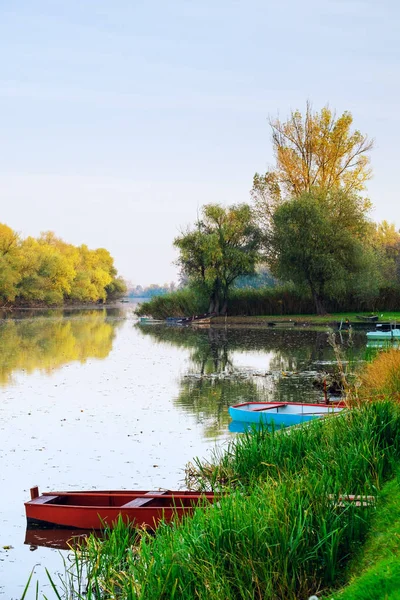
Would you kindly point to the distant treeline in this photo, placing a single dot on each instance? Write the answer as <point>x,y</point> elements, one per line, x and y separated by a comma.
<point>138,291</point>
<point>46,270</point>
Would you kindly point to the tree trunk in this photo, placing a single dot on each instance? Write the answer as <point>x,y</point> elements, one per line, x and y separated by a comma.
<point>318,301</point>
<point>213,307</point>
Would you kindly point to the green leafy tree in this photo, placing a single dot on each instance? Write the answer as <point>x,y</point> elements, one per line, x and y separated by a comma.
<point>223,245</point>
<point>310,246</point>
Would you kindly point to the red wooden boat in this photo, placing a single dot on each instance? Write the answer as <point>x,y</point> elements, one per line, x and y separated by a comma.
<point>93,509</point>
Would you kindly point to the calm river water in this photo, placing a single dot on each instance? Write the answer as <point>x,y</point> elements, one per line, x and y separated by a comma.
<point>92,399</point>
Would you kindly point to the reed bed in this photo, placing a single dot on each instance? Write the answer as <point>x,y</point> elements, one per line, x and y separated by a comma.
<point>358,448</point>
<point>185,302</point>
<point>280,300</point>
<point>281,531</point>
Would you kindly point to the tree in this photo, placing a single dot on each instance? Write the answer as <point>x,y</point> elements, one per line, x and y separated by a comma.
<point>315,151</point>
<point>310,247</point>
<point>9,263</point>
<point>223,245</point>
<point>386,243</point>
<point>48,270</point>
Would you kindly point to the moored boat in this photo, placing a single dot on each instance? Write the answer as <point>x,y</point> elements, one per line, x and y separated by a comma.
<point>393,334</point>
<point>368,319</point>
<point>93,509</point>
<point>282,413</point>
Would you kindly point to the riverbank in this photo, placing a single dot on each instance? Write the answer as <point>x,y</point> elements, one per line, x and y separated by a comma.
<point>283,531</point>
<point>374,574</point>
<point>302,319</point>
<point>283,528</point>
<point>278,302</point>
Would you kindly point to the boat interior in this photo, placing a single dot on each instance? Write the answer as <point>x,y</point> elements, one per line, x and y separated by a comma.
<point>129,500</point>
<point>290,408</point>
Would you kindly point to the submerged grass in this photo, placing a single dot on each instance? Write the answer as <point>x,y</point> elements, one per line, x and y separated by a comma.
<point>281,532</point>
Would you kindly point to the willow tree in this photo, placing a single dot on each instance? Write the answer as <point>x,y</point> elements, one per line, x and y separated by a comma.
<point>223,245</point>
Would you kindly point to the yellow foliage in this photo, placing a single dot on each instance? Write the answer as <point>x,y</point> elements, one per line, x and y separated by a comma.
<point>47,344</point>
<point>320,150</point>
<point>49,270</point>
<point>381,378</point>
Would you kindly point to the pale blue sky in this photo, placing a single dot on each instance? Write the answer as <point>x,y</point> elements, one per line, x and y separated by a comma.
<point>120,119</point>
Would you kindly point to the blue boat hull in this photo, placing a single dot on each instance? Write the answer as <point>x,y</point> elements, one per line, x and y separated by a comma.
<point>283,420</point>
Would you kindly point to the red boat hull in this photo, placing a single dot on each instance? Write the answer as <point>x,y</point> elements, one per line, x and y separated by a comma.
<point>94,510</point>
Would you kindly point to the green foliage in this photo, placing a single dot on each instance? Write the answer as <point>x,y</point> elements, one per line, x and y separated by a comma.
<point>222,246</point>
<point>312,247</point>
<point>48,271</point>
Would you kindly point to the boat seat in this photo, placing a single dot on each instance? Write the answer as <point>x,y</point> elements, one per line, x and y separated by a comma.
<point>269,407</point>
<point>142,500</point>
<point>43,499</point>
<point>137,502</point>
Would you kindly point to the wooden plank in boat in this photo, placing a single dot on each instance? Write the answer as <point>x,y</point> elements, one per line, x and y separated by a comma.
<point>143,500</point>
<point>43,499</point>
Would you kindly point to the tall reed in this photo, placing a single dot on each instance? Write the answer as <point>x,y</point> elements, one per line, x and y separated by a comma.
<point>355,449</point>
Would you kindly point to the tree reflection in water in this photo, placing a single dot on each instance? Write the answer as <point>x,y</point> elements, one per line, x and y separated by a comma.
<point>46,342</point>
<point>225,367</point>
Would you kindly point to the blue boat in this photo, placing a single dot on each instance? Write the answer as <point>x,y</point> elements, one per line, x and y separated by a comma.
<point>282,413</point>
<point>393,334</point>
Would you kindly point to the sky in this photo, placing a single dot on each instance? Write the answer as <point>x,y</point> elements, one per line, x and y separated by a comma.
<point>120,119</point>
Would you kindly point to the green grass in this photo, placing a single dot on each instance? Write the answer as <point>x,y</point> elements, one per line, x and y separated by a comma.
<point>278,533</point>
<point>353,450</point>
<point>375,572</point>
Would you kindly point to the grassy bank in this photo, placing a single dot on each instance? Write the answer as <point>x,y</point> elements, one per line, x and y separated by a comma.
<point>281,532</point>
<point>374,574</point>
<point>281,529</point>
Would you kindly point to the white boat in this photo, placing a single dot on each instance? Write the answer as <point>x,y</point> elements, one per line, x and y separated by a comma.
<point>282,413</point>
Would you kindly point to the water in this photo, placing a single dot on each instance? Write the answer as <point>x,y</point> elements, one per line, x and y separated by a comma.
<point>91,399</point>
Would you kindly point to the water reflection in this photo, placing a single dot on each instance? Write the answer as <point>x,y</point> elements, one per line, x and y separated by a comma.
<point>241,427</point>
<point>61,539</point>
<point>45,343</point>
<point>233,365</point>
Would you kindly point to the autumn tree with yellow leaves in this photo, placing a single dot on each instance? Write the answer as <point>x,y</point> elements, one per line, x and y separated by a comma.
<point>48,270</point>
<point>314,151</point>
